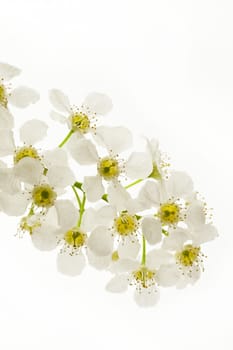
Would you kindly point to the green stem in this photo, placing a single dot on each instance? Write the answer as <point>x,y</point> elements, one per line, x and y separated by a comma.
<point>133,183</point>
<point>77,196</point>
<point>82,209</point>
<point>143,262</point>
<point>66,138</point>
<point>31,210</point>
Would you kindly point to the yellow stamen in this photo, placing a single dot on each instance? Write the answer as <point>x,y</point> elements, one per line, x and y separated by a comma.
<point>144,277</point>
<point>169,213</point>
<point>80,122</point>
<point>125,224</point>
<point>25,152</point>
<point>108,168</point>
<point>3,96</point>
<point>75,237</point>
<point>188,256</point>
<point>44,196</point>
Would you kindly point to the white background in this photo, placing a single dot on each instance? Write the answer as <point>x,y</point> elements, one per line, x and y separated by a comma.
<point>168,67</point>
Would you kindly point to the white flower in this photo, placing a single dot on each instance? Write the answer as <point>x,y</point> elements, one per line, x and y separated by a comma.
<point>109,166</point>
<point>31,132</point>
<point>106,246</point>
<point>21,96</point>
<point>131,273</point>
<point>29,164</point>
<point>40,190</point>
<point>112,230</point>
<point>42,229</point>
<point>79,119</point>
<point>181,258</point>
<point>199,230</point>
<point>171,198</point>
<point>72,237</point>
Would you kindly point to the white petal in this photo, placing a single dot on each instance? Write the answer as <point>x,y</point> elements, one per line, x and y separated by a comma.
<point>33,131</point>
<point>7,72</point>
<point>105,215</point>
<point>59,100</point>
<point>7,145</point>
<point>116,139</point>
<point>58,117</point>
<point>185,280</point>
<point>146,297</point>
<point>29,170</point>
<point>101,217</point>
<point>67,213</point>
<point>98,262</point>
<point>118,284</point>
<point>89,219</point>
<point>57,156</point>
<point>128,249</point>
<point>195,215</point>
<point>149,195</point>
<point>157,257</point>
<point>13,205</point>
<point>60,176</point>
<point>204,233</point>
<point>100,241</point>
<point>44,238</point>
<point>176,239</point>
<point>139,165</point>
<point>51,217</point>
<point>179,184</point>
<point>83,151</point>
<point>124,265</point>
<point>23,96</point>
<point>168,275</point>
<point>118,196</point>
<point>6,119</point>
<point>8,181</point>
<point>70,265</point>
<point>93,187</point>
<point>153,148</point>
<point>98,103</point>
<point>152,230</point>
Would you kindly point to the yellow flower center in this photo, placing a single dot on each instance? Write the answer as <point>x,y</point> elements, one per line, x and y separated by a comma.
<point>125,224</point>
<point>25,226</point>
<point>115,256</point>
<point>3,96</point>
<point>144,277</point>
<point>75,237</point>
<point>80,122</point>
<point>189,255</point>
<point>44,196</point>
<point>169,213</point>
<point>108,168</point>
<point>25,152</point>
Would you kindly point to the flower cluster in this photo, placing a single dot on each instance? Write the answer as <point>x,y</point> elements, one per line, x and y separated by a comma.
<point>97,200</point>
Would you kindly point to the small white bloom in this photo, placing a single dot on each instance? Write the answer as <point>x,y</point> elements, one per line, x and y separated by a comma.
<point>131,273</point>
<point>171,198</point>
<point>109,167</point>
<point>186,264</point>
<point>21,96</point>
<point>81,119</point>
<point>72,238</point>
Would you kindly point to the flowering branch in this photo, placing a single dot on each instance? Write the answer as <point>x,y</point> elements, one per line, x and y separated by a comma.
<point>166,219</point>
